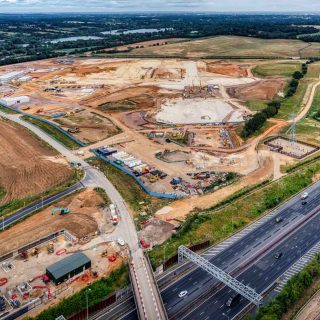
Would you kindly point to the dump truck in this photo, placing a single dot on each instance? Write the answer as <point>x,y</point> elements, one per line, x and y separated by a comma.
<point>50,247</point>
<point>114,214</point>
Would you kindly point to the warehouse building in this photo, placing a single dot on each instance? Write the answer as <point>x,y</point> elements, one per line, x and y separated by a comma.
<point>68,267</point>
<point>11,101</point>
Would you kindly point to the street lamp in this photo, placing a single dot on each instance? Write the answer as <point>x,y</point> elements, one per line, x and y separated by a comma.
<point>87,300</point>
<point>164,253</point>
<point>226,316</point>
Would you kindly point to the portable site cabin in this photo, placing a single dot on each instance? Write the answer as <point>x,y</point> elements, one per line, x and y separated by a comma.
<point>68,267</point>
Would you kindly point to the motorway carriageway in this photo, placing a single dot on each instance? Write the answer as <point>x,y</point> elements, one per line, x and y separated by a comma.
<point>200,284</point>
<point>263,273</point>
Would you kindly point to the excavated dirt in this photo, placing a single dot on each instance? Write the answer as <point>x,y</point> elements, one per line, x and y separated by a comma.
<point>27,166</point>
<point>156,231</point>
<point>83,221</point>
<point>93,127</point>
<point>228,69</point>
<point>261,90</point>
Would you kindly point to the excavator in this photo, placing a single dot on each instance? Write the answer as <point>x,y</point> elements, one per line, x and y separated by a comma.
<point>62,211</point>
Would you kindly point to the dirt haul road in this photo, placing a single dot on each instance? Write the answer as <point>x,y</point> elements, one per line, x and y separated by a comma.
<point>27,166</point>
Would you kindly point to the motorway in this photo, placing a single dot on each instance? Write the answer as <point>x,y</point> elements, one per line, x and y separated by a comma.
<point>205,301</point>
<point>200,285</point>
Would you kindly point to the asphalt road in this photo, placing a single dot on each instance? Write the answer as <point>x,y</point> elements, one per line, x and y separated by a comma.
<point>20,214</point>
<point>198,283</point>
<point>261,274</point>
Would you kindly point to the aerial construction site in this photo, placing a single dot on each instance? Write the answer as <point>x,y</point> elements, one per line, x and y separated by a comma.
<point>172,125</point>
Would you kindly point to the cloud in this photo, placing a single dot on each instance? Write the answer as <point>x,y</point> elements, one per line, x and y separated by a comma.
<point>106,6</point>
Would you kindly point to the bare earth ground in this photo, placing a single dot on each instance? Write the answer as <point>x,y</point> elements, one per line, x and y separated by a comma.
<point>312,310</point>
<point>27,167</point>
<point>83,220</point>
<point>262,90</point>
<point>92,127</point>
<point>228,69</point>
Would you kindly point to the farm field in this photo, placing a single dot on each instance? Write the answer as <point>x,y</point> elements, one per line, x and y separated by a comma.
<point>232,46</point>
<point>27,165</point>
<point>284,69</point>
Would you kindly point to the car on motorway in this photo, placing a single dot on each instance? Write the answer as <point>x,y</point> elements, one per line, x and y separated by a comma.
<point>234,299</point>
<point>183,293</point>
<point>278,255</point>
<point>304,202</point>
<point>279,219</point>
<point>304,196</point>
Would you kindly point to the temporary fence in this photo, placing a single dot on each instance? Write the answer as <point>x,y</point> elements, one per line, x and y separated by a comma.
<point>128,172</point>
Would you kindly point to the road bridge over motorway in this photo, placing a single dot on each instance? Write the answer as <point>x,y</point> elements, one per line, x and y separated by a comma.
<point>148,300</point>
<point>247,256</point>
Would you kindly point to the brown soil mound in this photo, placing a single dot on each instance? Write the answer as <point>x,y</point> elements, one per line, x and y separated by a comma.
<point>227,69</point>
<point>261,90</point>
<point>27,166</point>
<point>82,221</point>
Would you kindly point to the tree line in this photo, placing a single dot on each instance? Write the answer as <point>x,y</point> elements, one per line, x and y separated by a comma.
<point>258,120</point>
<point>292,292</point>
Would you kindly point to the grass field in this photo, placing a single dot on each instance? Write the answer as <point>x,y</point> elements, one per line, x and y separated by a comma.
<point>133,194</point>
<point>7,110</point>
<point>292,105</point>
<point>53,132</point>
<point>256,105</point>
<point>315,104</point>
<point>217,225</point>
<point>284,69</point>
<point>232,46</point>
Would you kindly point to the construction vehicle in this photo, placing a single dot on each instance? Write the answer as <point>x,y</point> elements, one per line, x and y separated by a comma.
<point>74,130</point>
<point>114,214</point>
<point>24,254</point>
<point>35,251</point>
<point>50,247</point>
<point>42,277</point>
<point>153,179</point>
<point>62,211</point>
<point>104,253</point>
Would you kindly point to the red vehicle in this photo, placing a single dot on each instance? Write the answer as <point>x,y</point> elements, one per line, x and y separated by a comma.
<point>144,244</point>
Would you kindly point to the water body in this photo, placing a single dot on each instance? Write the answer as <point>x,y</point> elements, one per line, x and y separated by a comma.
<point>75,39</point>
<point>118,32</point>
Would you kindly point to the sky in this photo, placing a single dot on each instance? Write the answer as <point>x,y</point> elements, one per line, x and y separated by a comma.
<point>108,6</point>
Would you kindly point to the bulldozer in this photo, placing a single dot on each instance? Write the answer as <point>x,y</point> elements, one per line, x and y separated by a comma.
<point>50,247</point>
